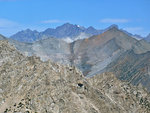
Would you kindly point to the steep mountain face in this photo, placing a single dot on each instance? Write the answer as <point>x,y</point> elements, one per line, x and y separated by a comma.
<point>25,48</point>
<point>94,54</point>
<point>26,36</point>
<point>92,30</point>
<point>52,48</point>
<point>136,36</point>
<point>30,85</point>
<point>147,38</point>
<point>65,31</point>
<point>132,67</point>
<point>91,55</point>
<point>2,37</point>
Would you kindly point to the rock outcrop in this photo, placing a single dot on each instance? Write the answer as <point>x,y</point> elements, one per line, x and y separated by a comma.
<point>29,85</point>
<point>133,68</point>
<point>67,30</point>
<point>94,55</point>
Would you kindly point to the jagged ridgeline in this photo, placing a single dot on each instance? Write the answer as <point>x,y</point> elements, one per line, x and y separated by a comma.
<point>30,85</point>
<point>113,50</point>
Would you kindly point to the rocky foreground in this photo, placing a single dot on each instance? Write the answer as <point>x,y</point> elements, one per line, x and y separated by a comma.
<point>28,85</point>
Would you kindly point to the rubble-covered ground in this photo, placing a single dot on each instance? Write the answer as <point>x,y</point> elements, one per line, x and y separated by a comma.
<point>28,85</point>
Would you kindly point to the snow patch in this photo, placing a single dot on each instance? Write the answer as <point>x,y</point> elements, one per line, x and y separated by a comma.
<point>78,25</point>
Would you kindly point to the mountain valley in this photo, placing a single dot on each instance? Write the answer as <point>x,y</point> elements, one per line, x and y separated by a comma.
<point>32,86</point>
<point>108,71</point>
<point>95,55</point>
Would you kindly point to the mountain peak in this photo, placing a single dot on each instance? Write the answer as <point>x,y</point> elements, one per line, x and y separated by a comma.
<point>91,28</point>
<point>65,86</point>
<point>28,30</point>
<point>67,24</point>
<point>147,38</point>
<point>148,35</point>
<point>114,26</point>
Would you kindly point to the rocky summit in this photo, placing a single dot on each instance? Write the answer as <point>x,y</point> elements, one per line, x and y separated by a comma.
<point>29,85</point>
<point>114,50</point>
<point>67,30</point>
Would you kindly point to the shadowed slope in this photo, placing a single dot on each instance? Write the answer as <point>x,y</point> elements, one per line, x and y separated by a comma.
<point>30,85</point>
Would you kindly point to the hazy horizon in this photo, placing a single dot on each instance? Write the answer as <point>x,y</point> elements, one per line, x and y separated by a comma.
<point>39,15</point>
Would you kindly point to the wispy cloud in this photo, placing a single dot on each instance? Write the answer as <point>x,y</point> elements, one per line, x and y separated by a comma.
<point>5,23</point>
<point>134,29</point>
<point>8,27</point>
<point>115,20</point>
<point>52,21</point>
<point>137,30</point>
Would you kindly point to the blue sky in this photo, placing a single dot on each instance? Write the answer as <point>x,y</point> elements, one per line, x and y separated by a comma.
<point>131,15</point>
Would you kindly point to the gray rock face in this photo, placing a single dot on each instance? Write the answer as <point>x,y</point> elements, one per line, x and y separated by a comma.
<point>2,37</point>
<point>133,68</point>
<point>29,85</point>
<point>91,56</point>
<point>64,31</point>
<point>147,38</point>
<point>26,36</point>
<point>94,54</point>
<point>133,65</point>
<point>52,48</point>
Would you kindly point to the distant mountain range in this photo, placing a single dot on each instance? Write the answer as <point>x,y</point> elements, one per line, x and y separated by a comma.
<point>67,31</point>
<point>147,38</point>
<point>107,52</point>
<point>28,85</point>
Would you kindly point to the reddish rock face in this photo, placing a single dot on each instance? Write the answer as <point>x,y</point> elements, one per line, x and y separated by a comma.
<point>29,85</point>
<point>93,55</point>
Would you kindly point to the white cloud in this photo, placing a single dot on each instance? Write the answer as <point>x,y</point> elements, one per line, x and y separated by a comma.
<point>5,23</point>
<point>136,30</point>
<point>117,20</point>
<point>8,27</point>
<point>52,21</point>
<point>133,29</point>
